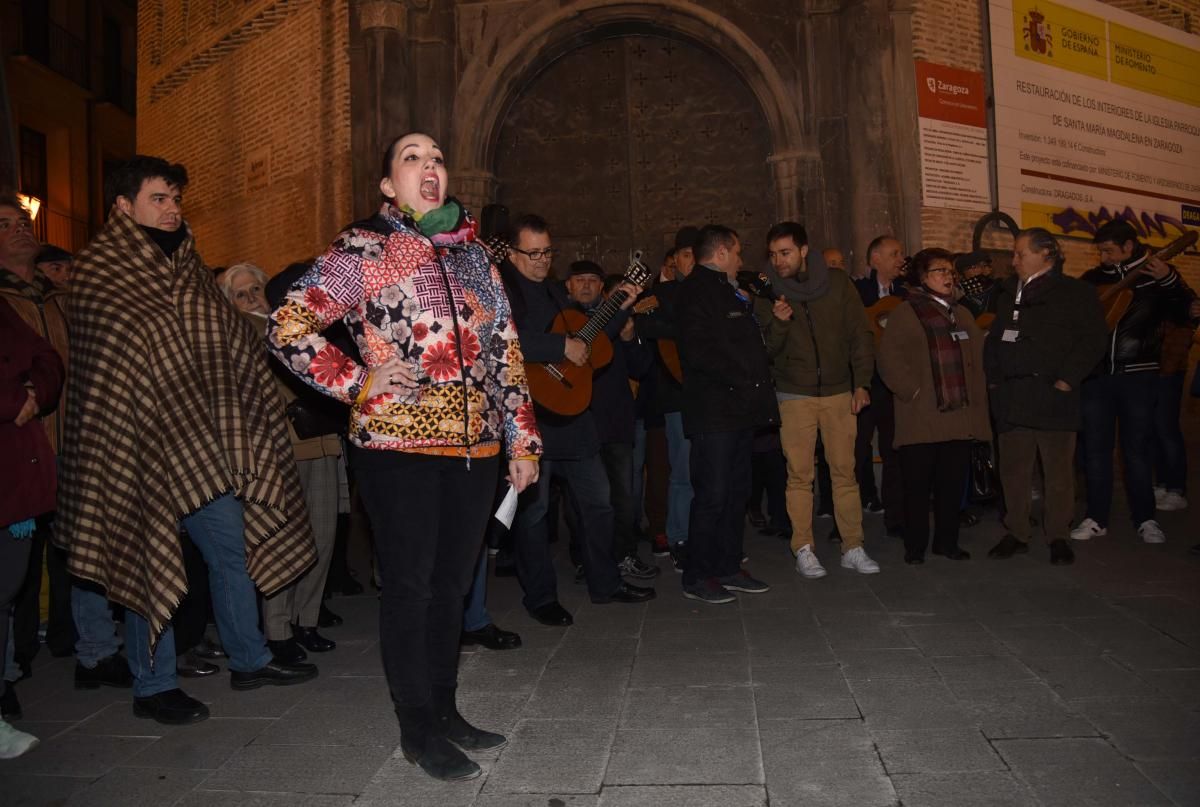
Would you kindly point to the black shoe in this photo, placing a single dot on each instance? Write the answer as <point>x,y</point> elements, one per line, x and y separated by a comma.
<point>112,671</point>
<point>1060,553</point>
<point>954,554</point>
<point>209,650</point>
<point>10,707</point>
<point>287,651</point>
<point>492,638</point>
<point>327,618</point>
<point>552,614</point>
<point>638,569</point>
<point>872,505</point>
<point>967,519</point>
<point>825,511</point>
<point>439,758</point>
<point>743,582</point>
<point>756,518</point>
<point>189,666</point>
<point>1008,547</point>
<point>172,708</point>
<point>914,560</point>
<point>629,593</point>
<point>26,670</point>
<point>580,575</point>
<point>275,674</point>
<point>679,556</point>
<point>505,570</point>
<point>709,591</point>
<point>312,641</point>
<point>448,723</point>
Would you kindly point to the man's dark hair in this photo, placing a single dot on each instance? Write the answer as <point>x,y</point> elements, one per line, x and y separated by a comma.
<point>1041,240</point>
<point>668,255</point>
<point>1118,231</point>
<point>528,222</point>
<point>877,244</point>
<point>9,199</point>
<point>788,229</point>
<point>924,259</point>
<point>129,177</point>
<point>712,237</point>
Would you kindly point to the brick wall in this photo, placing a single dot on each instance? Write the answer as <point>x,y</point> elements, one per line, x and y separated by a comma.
<point>254,98</point>
<point>951,32</point>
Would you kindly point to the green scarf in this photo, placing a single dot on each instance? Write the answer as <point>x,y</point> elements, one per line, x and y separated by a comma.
<point>438,221</point>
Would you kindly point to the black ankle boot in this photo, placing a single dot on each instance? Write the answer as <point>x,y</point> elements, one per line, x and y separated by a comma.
<point>448,723</point>
<point>435,755</point>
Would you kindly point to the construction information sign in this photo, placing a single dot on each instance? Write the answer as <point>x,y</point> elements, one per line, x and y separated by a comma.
<point>1097,118</point>
<point>952,107</point>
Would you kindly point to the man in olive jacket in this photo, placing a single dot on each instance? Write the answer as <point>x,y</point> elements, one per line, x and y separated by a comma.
<point>726,394</point>
<point>1048,336</point>
<point>822,358</point>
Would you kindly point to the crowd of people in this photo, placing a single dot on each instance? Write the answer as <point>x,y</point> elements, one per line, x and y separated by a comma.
<point>187,446</point>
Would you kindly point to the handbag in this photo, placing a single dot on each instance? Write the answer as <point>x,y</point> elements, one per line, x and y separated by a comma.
<point>985,482</point>
<point>311,421</point>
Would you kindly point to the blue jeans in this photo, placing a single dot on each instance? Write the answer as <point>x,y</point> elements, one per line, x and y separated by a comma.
<point>1170,454</point>
<point>217,530</point>
<point>588,484</point>
<point>94,624</point>
<point>679,491</point>
<point>1108,401</point>
<point>475,615</point>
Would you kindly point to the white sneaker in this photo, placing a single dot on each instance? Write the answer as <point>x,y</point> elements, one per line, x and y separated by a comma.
<point>1151,533</point>
<point>858,560</point>
<point>1171,501</point>
<point>1087,530</point>
<point>1160,493</point>
<point>14,742</point>
<point>807,564</point>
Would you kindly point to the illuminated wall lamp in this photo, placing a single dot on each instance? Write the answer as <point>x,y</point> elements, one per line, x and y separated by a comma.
<point>30,203</point>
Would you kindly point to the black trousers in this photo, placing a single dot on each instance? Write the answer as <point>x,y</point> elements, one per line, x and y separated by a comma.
<point>720,467</point>
<point>618,465</point>
<point>60,625</point>
<point>880,416</point>
<point>428,515</point>
<point>769,475</point>
<point>192,616</point>
<point>940,469</point>
<point>824,480</point>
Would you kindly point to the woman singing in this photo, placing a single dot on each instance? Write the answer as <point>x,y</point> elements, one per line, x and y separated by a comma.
<point>439,394</point>
<point>931,358</point>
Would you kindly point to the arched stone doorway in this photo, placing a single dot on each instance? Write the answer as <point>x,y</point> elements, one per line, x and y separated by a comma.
<point>502,59</point>
<point>622,141</point>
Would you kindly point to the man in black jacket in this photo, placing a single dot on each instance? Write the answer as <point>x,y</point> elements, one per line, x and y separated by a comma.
<point>885,256</point>
<point>1047,336</point>
<point>727,392</point>
<point>571,445</point>
<point>1123,390</point>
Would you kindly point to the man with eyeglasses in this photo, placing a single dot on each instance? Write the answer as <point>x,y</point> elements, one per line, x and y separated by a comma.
<point>571,444</point>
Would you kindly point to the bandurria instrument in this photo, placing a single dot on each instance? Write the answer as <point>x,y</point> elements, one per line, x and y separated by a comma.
<point>563,387</point>
<point>1116,297</point>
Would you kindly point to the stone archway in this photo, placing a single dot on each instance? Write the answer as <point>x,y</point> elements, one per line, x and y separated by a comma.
<point>501,67</point>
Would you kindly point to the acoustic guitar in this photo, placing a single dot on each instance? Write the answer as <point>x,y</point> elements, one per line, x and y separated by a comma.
<point>564,387</point>
<point>1116,297</point>
<point>877,315</point>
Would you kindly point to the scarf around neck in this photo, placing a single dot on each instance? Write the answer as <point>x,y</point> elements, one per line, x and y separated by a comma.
<point>805,286</point>
<point>437,221</point>
<point>945,353</point>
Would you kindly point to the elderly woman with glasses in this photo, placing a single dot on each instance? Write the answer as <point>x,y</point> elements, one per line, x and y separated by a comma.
<point>437,397</point>
<point>931,358</point>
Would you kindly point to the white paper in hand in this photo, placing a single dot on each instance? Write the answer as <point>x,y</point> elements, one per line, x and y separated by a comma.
<point>508,508</point>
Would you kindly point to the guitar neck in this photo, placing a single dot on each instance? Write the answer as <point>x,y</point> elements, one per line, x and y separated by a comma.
<point>601,317</point>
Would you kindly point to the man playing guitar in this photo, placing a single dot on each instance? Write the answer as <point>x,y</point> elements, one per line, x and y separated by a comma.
<point>571,443</point>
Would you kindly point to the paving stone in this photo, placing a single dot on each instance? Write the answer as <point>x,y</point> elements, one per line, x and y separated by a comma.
<point>122,787</point>
<point>676,669</point>
<point>79,755</point>
<point>1077,772</point>
<point>536,800</point>
<point>905,704</point>
<point>1179,780</point>
<point>233,798</point>
<point>1182,686</point>
<point>708,638</point>
<point>28,790</point>
<point>549,756</point>
<point>940,751</point>
<point>958,639</point>
<point>1168,614</point>
<point>339,690</point>
<point>831,763</point>
<point>1162,653</point>
<point>683,796</point>
<point>803,693</point>
<point>688,707</point>
<point>872,638</point>
<point>353,656</point>
<point>1020,710</point>
<point>879,664</point>
<point>72,705</point>
<point>343,725</point>
<point>299,769</point>
<point>1145,729</point>
<point>1083,677</point>
<point>983,669</point>
<point>973,789</point>
<point>685,756</point>
<point>1044,641</point>
<point>399,783</point>
<point>202,746</point>
<point>265,701</point>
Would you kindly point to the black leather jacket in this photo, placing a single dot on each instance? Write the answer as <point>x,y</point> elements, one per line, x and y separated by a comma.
<point>1136,343</point>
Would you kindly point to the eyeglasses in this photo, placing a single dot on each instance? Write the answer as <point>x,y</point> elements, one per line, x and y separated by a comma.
<point>940,271</point>
<point>537,254</point>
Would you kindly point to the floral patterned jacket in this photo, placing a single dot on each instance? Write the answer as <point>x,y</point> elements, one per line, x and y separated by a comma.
<point>440,305</point>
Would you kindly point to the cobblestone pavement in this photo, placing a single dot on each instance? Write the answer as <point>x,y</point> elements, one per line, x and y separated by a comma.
<point>952,684</point>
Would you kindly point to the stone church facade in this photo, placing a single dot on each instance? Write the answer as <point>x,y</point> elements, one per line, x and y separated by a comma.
<point>617,121</point>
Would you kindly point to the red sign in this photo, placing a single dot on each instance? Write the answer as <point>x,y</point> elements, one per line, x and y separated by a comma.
<point>949,94</point>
